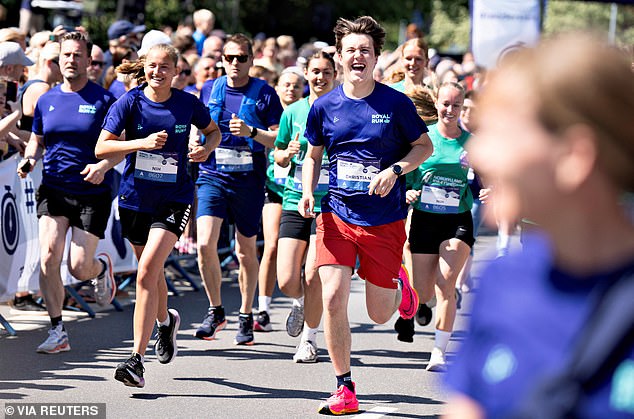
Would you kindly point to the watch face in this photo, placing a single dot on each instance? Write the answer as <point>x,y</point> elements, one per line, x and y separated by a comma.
<point>397,169</point>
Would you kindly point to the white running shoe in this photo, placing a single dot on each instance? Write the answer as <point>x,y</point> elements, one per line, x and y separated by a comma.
<point>437,361</point>
<point>56,342</point>
<point>306,353</point>
<point>105,285</point>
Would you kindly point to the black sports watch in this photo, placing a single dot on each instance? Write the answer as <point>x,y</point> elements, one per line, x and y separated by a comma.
<point>254,132</point>
<point>398,170</point>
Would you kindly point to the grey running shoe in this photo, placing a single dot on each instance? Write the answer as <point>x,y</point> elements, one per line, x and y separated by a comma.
<point>295,321</point>
<point>306,353</point>
<point>131,372</point>
<point>213,322</point>
<point>245,330</point>
<point>105,285</point>
<point>165,346</point>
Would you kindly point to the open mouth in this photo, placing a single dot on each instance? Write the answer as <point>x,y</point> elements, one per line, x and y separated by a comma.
<point>358,67</point>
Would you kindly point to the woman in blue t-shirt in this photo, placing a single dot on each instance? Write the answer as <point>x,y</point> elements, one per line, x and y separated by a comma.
<point>555,132</point>
<point>156,191</point>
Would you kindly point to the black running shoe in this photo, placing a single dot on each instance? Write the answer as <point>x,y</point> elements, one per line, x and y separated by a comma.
<point>245,330</point>
<point>423,315</point>
<point>262,322</point>
<point>213,322</point>
<point>165,346</point>
<point>405,329</point>
<point>131,372</point>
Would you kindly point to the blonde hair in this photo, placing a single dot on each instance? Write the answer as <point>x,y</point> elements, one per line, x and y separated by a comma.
<point>577,79</point>
<point>425,101</point>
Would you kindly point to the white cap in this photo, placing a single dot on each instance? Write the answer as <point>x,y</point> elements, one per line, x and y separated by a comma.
<point>152,38</point>
<point>11,53</point>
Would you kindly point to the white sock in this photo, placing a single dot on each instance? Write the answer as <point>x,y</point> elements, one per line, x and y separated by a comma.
<point>264,303</point>
<point>441,339</point>
<point>298,302</point>
<point>142,357</point>
<point>310,334</point>
<point>503,243</point>
<point>165,322</point>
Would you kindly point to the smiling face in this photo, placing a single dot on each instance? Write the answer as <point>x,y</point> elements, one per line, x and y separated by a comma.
<point>320,75</point>
<point>357,58</point>
<point>289,88</point>
<point>414,62</point>
<point>160,69</point>
<point>449,104</point>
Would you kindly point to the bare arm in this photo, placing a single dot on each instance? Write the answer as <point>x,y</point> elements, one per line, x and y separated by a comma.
<point>383,182</point>
<point>462,407</point>
<point>32,153</point>
<point>200,152</point>
<point>265,137</point>
<point>110,145</point>
<point>310,177</point>
<point>283,157</point>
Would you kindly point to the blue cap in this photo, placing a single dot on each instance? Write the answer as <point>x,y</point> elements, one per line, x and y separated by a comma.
<point>123,27</point>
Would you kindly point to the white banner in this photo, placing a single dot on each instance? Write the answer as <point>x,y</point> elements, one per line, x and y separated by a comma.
<point>19,249</point>
<point>499,26</point>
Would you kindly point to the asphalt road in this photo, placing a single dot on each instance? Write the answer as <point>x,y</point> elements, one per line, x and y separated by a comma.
<point>217,379</point>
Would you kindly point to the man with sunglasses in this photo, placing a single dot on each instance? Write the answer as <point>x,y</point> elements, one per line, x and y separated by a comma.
<point>95,67</point>
<point>231,181</point>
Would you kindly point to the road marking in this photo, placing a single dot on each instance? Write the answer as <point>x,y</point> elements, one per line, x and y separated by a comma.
<point>377,412</point>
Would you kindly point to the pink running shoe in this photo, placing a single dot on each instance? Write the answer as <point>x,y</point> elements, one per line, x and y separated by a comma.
<point>341,402</point>
<point>409,299</point>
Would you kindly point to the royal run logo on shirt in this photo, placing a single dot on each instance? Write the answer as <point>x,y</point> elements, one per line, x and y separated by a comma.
<point>381,118</point>
<point>179,129</point>
<point>90,109</point>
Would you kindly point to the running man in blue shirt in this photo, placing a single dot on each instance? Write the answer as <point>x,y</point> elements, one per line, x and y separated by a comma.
<point>231,181</point>
<point>75,192</point>
<point>372,135</point>
<point>156,192</point>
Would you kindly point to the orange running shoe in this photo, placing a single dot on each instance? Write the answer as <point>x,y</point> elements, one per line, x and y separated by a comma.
<point>341,402</point>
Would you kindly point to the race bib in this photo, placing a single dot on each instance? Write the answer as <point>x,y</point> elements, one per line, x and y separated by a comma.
<point>237,159</point>
<point>280,173</point>
<point>157,167</point>
<point>440,199</point>
<point>356,176</point>
<point>322,183</point>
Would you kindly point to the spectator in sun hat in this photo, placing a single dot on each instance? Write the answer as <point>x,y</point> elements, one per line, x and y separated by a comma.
<point>152,38</point>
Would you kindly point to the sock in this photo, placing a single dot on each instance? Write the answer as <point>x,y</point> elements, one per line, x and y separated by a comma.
<point>165,322</point>
<point>264,303</point>
<point>298,302</point>
<point>219,310</point>
<point>345,380</point>
<point>502,244</point>
<point>309,334</point>
<point>139,356</point>
<point>57,321</point>
<point>441,339</point>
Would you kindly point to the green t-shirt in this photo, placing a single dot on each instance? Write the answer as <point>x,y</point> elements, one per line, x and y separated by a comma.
<point>293,121</point>
<point>275,175</point>
<point>442,178</point>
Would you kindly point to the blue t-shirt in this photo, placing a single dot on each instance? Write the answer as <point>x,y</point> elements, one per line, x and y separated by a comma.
<point>363,137</point>
<point>70,124</point>
<point>234,151</point>
<point>117,88</point>
<point>524,325</point>
<point>154,177</point>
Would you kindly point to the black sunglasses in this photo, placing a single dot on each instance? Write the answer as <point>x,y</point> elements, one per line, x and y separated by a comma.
<point>240,58</point>
<point>97,63</point>
<point>185,72</point>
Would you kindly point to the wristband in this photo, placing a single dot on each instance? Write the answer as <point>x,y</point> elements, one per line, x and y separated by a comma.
<point>254,132</point>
